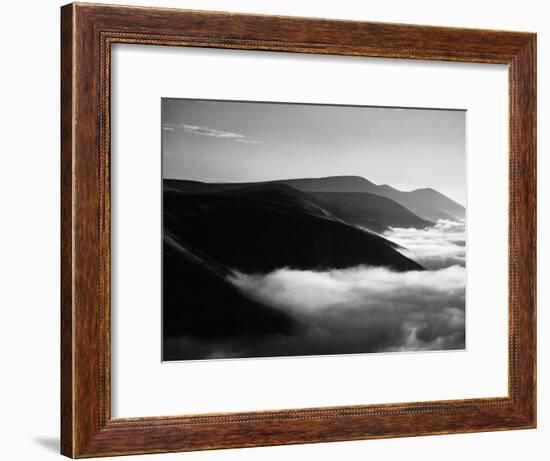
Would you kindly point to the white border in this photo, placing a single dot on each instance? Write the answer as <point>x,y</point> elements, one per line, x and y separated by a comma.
<point>143,386</point>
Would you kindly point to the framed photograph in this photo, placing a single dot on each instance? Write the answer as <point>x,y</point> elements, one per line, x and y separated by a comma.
<point>284,230</point>
<point>306,261</point>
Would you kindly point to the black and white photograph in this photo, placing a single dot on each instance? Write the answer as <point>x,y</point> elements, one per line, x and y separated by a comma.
<point>311,229</point>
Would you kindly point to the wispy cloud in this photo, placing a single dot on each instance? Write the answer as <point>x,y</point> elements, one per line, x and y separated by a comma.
<point>169,127</point>
<point>203,130</point>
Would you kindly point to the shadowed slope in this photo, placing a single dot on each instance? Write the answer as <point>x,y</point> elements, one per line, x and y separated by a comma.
<point>200,302</point>
<point>257,230</point>
<point>379,209</point>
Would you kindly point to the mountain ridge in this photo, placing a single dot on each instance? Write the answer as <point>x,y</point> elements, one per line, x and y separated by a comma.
<point>427,203</point>
<point>278,228</point>
<point>369,211</point>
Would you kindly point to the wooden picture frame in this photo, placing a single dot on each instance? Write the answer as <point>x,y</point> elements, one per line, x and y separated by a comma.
<point>87,33</point>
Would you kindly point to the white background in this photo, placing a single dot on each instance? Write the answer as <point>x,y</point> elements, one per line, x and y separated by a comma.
<point>143,386</point>
<point>29,249</point>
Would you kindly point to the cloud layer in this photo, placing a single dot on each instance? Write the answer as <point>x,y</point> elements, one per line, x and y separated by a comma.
<point>436,247</point>
<point>356,310</point>
<point>368,309</point>
<point>361,309</point>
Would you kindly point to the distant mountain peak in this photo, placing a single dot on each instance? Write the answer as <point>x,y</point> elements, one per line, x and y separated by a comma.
<point>354,178</point>
<point>427,189</point>
<point>388,187</point>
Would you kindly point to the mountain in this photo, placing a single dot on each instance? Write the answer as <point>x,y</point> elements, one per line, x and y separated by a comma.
<point>314,205</point>
<point>332,184</point>
<point>428,204</point>
<point>364,209</point>
<point>212,232</point>
<point>328,184</point>
<point>200,302</point>
<point>261,228</point>
<point>378,209</point>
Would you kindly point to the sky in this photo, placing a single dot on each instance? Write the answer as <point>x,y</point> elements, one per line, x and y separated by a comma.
<point>232,141</point>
